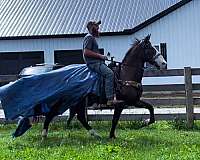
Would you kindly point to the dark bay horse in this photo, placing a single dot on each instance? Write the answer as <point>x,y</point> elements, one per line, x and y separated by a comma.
<point>129,74</point>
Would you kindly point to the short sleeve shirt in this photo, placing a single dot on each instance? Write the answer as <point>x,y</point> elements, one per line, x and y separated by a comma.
<point>89,42</point>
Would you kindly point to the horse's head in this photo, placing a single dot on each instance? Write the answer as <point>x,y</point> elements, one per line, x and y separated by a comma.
<point>151,54</point>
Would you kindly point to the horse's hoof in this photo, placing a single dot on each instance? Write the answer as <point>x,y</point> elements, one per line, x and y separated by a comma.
<point>151,122</point>
<point>23,126</point>
<point>112,136</point>
<point>147,122</point>
<point>93,133</point>
<point>44,137</point>
<point>44,133</point>
<point>68,126</point>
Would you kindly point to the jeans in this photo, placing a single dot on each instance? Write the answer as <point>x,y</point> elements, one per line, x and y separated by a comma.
<point>107,74</point>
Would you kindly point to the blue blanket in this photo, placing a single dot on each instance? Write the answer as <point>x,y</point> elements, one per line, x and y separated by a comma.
<point>72,82</point>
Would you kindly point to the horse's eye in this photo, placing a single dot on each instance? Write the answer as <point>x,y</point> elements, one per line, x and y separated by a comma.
<point>147,46</point>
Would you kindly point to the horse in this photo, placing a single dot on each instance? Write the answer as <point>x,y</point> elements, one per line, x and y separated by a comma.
<point>129,75</point>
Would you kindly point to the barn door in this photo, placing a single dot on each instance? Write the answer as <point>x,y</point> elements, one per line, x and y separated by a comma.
<point>14,62</point>
<point>67,57</point>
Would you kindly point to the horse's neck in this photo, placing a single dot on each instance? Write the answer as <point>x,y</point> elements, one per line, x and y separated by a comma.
<point>132,66</point>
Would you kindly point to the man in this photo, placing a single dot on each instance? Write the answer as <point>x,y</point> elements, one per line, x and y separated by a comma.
<point>96,61</point>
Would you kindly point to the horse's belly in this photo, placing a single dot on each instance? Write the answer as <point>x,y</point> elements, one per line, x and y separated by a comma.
<point>130,94</point>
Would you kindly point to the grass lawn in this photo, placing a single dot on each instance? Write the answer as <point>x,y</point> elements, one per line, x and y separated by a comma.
<point>160,141</point>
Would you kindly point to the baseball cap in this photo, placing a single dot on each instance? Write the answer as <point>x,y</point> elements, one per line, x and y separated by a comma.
<point>91,23</point>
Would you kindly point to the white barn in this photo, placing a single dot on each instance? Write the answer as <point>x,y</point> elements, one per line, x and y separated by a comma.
<point>46,31</point>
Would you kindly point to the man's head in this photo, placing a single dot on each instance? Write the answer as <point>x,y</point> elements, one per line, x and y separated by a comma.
<point>93,28</point>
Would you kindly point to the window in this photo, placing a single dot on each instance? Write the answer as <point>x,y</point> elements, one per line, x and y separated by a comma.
<point>14,62</point>
<point>67,57</point>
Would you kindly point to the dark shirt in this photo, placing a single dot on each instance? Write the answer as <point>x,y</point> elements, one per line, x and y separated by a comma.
<point>89,42</point>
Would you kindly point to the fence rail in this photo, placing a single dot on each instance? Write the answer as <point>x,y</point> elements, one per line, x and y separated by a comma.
<point>166,95</point>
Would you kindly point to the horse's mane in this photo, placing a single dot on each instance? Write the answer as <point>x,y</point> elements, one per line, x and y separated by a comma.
<point>133,46</point>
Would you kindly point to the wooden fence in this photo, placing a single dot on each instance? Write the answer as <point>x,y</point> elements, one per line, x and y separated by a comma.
<point>160,95</point>
<point>187,88</point>
<point>187,94</point>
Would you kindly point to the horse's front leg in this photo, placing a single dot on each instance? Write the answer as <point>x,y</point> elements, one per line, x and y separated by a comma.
<point>142,104</point>
<point>117,112</point>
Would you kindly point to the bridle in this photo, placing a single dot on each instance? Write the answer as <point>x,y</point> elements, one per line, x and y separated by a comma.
<point>156,55</point>
<point>122,64</point>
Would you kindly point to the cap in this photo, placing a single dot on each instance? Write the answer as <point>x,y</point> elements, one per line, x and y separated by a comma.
<point>91,23</point>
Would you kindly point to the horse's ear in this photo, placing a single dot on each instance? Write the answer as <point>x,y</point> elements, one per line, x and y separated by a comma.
<point>147,38</point>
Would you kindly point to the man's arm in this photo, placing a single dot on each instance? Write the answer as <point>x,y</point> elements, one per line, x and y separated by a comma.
<point>91,54</point>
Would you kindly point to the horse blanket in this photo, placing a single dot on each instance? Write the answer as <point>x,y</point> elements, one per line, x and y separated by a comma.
<point>71,82</point>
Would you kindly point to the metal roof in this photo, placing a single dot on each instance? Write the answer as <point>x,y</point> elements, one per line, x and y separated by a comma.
<point>20,18</point>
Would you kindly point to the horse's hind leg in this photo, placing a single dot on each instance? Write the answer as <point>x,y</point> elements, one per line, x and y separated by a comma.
<point>116,116</point>
<point>81,116</point>
<point>142,104</point>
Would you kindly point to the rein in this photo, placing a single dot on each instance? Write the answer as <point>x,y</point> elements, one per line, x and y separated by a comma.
<point>125,64</point>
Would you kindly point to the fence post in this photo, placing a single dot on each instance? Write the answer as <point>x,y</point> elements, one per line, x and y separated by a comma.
<point>189,97</point>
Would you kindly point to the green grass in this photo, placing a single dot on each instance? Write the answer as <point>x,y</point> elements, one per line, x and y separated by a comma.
<point>160,141</point>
